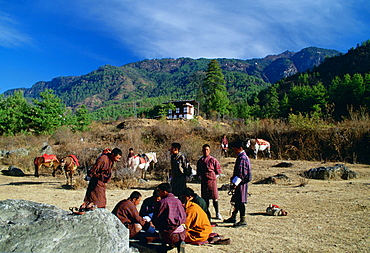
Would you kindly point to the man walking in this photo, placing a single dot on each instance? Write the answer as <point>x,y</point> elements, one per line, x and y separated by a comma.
<point>242,175</point>
<point>208,168</point>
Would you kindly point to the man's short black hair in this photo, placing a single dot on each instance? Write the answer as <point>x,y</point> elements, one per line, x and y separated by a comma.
<point>166,187</point>
<point>116,151</point>
<point>176,145</point>
<point>130,149</point>
<point>205,146</point>
<point>237,144</point>
<point>135,195</point>
<point>188,192</point>
<point>155,193</point>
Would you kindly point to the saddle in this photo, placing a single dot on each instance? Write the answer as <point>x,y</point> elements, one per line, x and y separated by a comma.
<point>75,159</point>
<point>47,158</point>
<point>262,142</point>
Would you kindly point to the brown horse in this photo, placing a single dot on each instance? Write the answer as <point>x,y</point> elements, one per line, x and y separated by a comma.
<point>69,165</point>
<point>46,161</point>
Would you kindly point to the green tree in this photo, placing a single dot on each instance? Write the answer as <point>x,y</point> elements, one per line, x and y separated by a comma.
<point>48,113</point>
<point>82,119</point>
<point>13,117</point>
<point>214,90</point>
<point>272,108</point>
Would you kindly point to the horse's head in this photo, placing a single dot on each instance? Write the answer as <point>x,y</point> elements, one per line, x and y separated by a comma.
<point>62,162</point>
<point>247,143</point>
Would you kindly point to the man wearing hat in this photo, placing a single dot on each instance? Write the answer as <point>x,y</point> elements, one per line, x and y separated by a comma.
<point>242,175</point>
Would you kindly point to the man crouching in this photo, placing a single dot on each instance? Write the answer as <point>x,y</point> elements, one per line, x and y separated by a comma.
<point>128,214</point>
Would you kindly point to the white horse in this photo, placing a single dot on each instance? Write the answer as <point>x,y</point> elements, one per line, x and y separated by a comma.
<point>258,145</point>
<point>142,163</point>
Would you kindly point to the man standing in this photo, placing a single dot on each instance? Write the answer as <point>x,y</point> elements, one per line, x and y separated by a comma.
<point>169,217</point>
<point>126,211</point>
<point>179,165</point>
<point>224,145</point>
<point>100,174</point>
<point>242,175</point>
<point>208,168</point>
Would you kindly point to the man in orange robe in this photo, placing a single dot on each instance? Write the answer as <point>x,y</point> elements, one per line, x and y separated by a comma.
<point>198,226</point>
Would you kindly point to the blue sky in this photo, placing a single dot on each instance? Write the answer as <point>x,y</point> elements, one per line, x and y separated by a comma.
<point>43,39</point>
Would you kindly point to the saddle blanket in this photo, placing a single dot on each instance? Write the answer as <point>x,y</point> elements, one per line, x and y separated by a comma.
<point>47,158</point>
<point>75,159</point>
<point>262,142</point>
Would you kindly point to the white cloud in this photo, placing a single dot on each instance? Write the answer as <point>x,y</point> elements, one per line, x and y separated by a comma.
<point>10,36</point>
<point>215,28</point>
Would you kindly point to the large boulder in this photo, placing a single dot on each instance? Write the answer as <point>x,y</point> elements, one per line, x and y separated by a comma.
<point>334,172</point>
<point>27,226</point>
<point>13,171</point>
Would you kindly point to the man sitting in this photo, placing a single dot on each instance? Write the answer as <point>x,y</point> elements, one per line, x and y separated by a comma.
<point>198,226</point>
<point>147,208</point>
<point>189,195</point>
<point>127,212</point>
<point>169,217</point>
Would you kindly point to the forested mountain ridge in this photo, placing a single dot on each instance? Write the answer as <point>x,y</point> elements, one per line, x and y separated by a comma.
<point>175,78</point>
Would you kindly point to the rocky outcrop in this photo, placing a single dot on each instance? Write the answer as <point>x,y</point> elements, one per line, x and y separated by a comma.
<point>27,226</point>
<point>326,173</point>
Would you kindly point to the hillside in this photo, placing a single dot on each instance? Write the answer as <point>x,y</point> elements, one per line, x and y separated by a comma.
<point>174,78</point>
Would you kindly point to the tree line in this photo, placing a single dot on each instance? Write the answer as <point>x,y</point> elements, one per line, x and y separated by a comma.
<point>43,115</point>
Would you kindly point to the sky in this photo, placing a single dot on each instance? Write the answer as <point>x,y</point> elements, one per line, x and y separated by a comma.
<point>44,39</point>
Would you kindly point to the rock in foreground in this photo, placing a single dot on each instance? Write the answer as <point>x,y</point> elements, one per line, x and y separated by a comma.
<point>27,226</point>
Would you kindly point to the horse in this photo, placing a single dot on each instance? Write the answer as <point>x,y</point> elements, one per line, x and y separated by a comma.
<point>69,165</point>
<point>142,163</point>
<point>46,161</point>
<point>258,145</point>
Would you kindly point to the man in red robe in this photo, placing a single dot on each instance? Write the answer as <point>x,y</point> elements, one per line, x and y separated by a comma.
<point>100,174</point>
<point>169,218</point>
<point>208,168</point>
<point>126,211</point>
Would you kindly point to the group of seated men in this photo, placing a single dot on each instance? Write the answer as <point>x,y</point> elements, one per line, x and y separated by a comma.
<point>178,220</point>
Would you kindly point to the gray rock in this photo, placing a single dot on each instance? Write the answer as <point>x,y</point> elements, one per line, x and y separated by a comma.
<point>27,226</point>
<point>18,152</point>
<point>326,173</point>
<point>13,171</point>
<point>46,149</point>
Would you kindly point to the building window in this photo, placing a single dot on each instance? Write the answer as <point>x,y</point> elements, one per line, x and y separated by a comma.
<point>177,110</point>
<point>186,109</point>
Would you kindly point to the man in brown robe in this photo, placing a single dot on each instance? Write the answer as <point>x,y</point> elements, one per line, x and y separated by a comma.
<point>100,174</point>
<point>208,168</point>
<point>126,211</point>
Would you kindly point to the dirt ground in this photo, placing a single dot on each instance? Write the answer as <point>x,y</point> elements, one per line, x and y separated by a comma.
<point>323,216</point>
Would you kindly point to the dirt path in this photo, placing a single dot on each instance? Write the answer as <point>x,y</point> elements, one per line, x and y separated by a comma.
<point>323,216</point>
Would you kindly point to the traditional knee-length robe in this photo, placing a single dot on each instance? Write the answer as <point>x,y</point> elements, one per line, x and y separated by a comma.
<point>198,226</point>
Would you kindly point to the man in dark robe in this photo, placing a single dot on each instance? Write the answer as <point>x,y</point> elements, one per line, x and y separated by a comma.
<point>178,168</point>
<point>100,174</point>
<point>242,175</point>
<point>147,208</point>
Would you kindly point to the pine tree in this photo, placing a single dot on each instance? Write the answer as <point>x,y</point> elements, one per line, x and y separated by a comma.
<point>48,113</point>
<point>214,90</point>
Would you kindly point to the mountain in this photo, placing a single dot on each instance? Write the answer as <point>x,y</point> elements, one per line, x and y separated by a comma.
<point>175,78</point>
<point>355,61</point>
